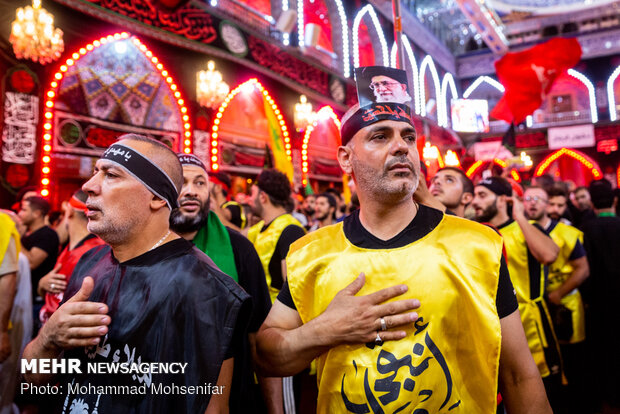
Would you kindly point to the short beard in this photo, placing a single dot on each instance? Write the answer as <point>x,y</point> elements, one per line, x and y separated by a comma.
<point>113,233</point>
<point>488,213</point>
<point>381,186</point>
<point>183,224</point>
<point>554,216</point>
<point>309,212</point>
<point>538,217</point>
<point>323,217</point>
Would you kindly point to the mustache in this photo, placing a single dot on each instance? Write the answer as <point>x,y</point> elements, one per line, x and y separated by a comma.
<point>400,160</point>
<point>190,198</point>
<point>90,204</point>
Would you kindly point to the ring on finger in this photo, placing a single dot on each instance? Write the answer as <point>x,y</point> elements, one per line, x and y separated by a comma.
<point>383,324</point>
<point>52,286</point>
<point>378,339</point>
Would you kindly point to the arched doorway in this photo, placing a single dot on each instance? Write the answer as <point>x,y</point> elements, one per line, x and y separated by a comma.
<point>112,86</point>
<point>249,133</point>
<point>319,148</point>
<point>567,164</point>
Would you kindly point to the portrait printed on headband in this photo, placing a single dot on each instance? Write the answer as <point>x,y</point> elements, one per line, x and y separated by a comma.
<point>380,84</point>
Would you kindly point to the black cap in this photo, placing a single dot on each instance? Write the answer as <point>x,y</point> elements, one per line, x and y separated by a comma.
<point>498,185</point>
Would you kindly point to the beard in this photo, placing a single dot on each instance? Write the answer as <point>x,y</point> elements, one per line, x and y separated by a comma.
<point>323,216</point>
<point>555,216</point>
<point>535,216</point>
<point>182,223</point>
<point>309,211</point>
<point>381,185</point>
<point>488,213</point>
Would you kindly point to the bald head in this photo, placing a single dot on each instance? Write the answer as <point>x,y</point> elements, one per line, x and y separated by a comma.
<point>159,154</point>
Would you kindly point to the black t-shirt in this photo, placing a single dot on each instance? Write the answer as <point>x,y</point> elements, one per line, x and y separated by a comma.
<point>251,278</point>
<point>45,239</point>
<point>423,223</point>
<point>290,234</point>
<point>235,214</point>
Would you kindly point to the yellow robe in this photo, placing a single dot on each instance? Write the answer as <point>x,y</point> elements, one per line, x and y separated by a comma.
<point>566,238</point>
<point>449,360</point>
<point>530,289</point>
<point>265,243</point>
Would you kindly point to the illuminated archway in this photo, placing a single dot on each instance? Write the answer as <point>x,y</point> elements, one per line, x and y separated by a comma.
<point>582,158</point>
<point>344,29</point>
<point>591,92</point>
<point>611,94</point>
<point>414,69</point>
<point>368,9</point>
<point>246,86</point>
<point>473,169</point>
<point>479,81</point>
<point>325,113</point>
<point>442,114</point>
<point>51,95</point>
<point>427,62</point>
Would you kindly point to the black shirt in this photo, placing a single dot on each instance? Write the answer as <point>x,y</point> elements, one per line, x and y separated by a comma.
<point>170,304</point>
<point>423,223</point>
<point>235,214</point>
<point>45,239</point>
<point>290,234</point>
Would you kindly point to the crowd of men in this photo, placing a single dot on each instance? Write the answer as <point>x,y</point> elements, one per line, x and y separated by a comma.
<point>430,294</point>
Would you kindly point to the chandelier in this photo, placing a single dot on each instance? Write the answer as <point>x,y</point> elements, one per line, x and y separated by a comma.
<point>304,115</point>
<point>211,90</point>
<point>33,35</point>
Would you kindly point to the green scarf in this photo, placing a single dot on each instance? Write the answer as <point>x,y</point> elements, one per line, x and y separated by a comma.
<point>213,239</point>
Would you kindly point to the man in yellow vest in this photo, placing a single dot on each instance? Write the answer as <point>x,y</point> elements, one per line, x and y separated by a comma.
<point>566,274</point>
<point>528,250</point>
<point>352,288</point>
<point>272,238</point>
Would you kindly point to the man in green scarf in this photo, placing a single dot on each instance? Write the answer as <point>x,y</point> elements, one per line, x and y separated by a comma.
<point>235,256</point>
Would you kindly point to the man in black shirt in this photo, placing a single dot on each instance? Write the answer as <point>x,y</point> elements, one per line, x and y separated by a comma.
<point>272,238</point>
<point>40,245</point>
<point>148,297</point>
<point>235,256</point>
<point>601,237</point>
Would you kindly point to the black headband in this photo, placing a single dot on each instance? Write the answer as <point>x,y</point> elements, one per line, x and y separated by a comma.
<point>370,114</point>
<point>191,159</point>
<point>145,171</point>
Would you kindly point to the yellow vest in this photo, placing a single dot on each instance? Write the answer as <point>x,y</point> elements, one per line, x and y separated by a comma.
<point>530,291</point>
<point>449,360</point>
<point>265,243</point>
<point>566,238</point>
<point>8,231</point>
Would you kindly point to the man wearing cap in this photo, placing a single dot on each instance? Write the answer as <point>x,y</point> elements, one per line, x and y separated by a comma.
<point>235,256</point>
<point>52,286</point>
<point>352,288</point>
<point>528,251</point>
<point>148,297</point>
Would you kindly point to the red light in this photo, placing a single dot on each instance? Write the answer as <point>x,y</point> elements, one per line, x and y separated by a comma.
<point>45,192</point>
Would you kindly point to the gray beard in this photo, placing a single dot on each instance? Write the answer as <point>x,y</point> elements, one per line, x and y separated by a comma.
<point>181,224</point>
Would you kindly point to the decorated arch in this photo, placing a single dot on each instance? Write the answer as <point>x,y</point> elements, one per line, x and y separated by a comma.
<point>613,94</point>
<point>337,26</point>
<point>425,95</point>
<point>409,63</point>
<point>367,46</point>
<point>112,86</point>
<point>570,164</point>
<point>447,85</point>
<point>478,166</point>
<point>248,129</point>
<point>319,147</point>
